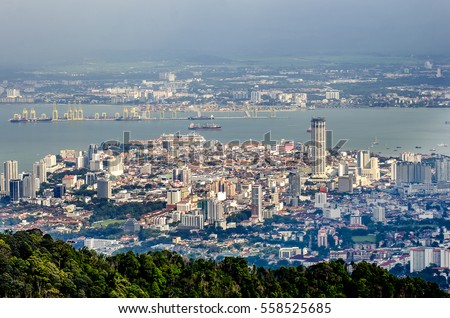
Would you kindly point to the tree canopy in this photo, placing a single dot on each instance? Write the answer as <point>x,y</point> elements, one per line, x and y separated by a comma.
<point>35,265</point>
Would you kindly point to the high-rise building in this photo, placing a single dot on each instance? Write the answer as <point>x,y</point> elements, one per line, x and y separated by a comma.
<point>345,184</point>
<point>322,238</point>
<point>192,221</point>
<point>422,257</point>
<point>215,211</point>
<point>15,189</point>
<point>230,188</point>
<point>410,157</point>
<point>79,162</point>
<point>443,169</point>
<point>329,140</point>
<point>40,171</point>
<point>104,189</point>
<point>176,174</point>
<point>173,196</point>
<point>256,205</point>
<point>368,166</point>
<point>92,150</point>
<point>320,200</point>
<point>379,214</point>
<point>186,175</point>
<point>95,165</point>
<point>59,190</point>
<point>407,172</point>
<point>363,158</point>
<point>50,160</point>
<point>12,93</point>
<point>343,169</point>
<point>2,183</point>
<point>318,139</point>
<point>256,97</point>
<point>90,178</point>
<point>29,187</point>
<point>355,218</point>
<point>11,171</point>
<point>295,184</point>
<point>393,171</point>
<point>332,95</point>
<point>131,226</point>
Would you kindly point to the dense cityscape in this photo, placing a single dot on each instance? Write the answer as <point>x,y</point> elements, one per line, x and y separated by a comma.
<point>273,202</point>
<point>221,85</point>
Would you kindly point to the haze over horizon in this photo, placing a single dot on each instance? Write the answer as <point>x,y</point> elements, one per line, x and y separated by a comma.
<point>47,31</point>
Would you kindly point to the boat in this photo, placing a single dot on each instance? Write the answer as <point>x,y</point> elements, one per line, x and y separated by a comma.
<point>201,117</point>
<point>128,118</point>
<point>18,120</point>
<point>432,149</point>
<point>442,145</point>
<point>418,147</point>
<point>44,120</point>
<point>311,107</point>
<point>309,129</point>
<point>193,126</point>
<point>375,142</point>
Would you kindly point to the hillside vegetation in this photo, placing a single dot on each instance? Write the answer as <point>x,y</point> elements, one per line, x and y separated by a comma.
<point>35,265</point>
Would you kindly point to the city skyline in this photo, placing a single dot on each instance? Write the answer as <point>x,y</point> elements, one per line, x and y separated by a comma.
<point>225,149</point>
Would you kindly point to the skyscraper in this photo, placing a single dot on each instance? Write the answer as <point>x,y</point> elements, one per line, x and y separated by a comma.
<point>295,184</point>
<point>215,211</point>
<point>318,138</point>
<point>379,214</point>
<point>186,175</point>
<point>59,190</point>
<point>407,172</point>
<point>11,171</point>
<point>443,169</point>
<point>40,171</point>
<point>363,159</point>
<point>29,187</point>
<point>2,183</point>
<point>173,196</point>
<point>322,238</point>
<point>92,150</point>
<point>15,189</point>
<point>256,205</point>
<point>329,140</point>
<point>104,189</point>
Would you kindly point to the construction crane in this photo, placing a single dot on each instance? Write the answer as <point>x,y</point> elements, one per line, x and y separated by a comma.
<point>25,114</point>
<point>33,114</point>
<point>54,112</point>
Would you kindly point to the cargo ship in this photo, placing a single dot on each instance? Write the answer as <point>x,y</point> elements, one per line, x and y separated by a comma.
<point>24,120</point>
<point>201,117</point>
<point>43,120</point>
<point>193,126</point>
<point>128,118</point>
<point>18,120</point>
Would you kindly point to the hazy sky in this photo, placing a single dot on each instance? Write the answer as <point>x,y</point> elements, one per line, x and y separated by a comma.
<point>46,30</point>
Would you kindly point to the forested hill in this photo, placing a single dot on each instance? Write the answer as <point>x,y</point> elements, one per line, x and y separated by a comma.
<point>35,265</point>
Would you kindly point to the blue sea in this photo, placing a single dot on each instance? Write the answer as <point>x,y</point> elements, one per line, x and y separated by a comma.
<point>395,129</point>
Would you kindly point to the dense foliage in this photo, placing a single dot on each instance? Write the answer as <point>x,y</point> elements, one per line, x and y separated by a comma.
<point>104,210</point>
<point>35,265</point>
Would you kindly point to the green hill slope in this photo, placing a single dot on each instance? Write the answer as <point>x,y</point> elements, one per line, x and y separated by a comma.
<point>35,265</point>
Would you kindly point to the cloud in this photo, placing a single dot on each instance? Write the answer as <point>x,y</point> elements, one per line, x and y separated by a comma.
<point>45,30</point>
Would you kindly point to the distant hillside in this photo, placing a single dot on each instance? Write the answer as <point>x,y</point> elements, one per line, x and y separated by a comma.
<point>35,265</point>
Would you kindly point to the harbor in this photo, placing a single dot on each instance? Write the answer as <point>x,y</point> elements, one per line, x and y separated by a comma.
<point>133,113</point>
